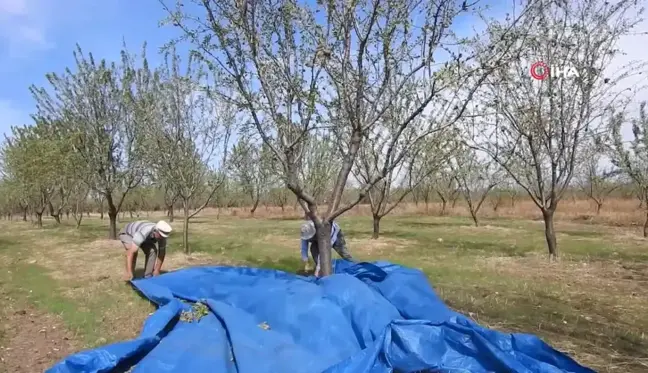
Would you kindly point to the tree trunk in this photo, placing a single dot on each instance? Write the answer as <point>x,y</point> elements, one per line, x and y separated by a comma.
<point>185,233</point>
<point>645,227</point>
<point>550,233</point>
<point>473,214</point>
<point>67,214</point>
<point>170,213</point>
<point>598,207</point>
<point>39,219</point>
<point>24,215</point>
<point>53,213</point>
<point>112,215</point>
<point>254,206</point>
<point>496,205</point>
<point>323,234</point>
<point>376,227</point>
<point>443,206</point>
<point>78,220</point>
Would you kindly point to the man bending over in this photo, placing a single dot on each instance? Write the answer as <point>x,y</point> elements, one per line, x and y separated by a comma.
<point>308,237</point>
<point>145,235</point>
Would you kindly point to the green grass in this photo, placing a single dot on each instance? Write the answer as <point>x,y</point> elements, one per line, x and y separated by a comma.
<point>33,283</point>
<point>592,304</point>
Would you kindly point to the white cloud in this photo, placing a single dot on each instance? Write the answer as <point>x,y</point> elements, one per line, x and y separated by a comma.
<point>23,27</point>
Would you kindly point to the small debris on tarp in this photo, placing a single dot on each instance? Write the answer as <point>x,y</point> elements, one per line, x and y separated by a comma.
<point>197,312</point>
<point>264,325</point>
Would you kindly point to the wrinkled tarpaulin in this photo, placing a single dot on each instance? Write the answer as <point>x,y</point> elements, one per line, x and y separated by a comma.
<point>368,317</point>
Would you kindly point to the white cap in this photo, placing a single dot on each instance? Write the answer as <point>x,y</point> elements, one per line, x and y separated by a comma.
<point>163,228</point>
<point>307,230</point>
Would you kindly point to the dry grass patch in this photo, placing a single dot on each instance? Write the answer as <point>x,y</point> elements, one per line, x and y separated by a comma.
<point>92,273</point>
<point>102,260</point>
<point>382,246</point>
<point>610,293</point>
<point>611,275</point>
<point>95,260</point>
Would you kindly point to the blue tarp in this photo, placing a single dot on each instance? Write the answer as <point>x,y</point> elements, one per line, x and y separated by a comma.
<point>367,317</point>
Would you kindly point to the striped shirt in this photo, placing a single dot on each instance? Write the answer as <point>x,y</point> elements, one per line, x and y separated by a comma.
<point>141,232</point>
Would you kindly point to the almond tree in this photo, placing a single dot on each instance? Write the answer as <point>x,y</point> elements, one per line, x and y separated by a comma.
<point>632,159</point>
<point>535,128</point>
<point>187,138</point>
<point>92,103</point>
<point>446,186</point>
<point>78,200</point>
<point>21,168</point>
<point>39,160</point>
<point>506,189</point>
<point>411,172</point>
<point>251,167</point>
<point>335,68</point>
<point>424,191</point>
<point>596,180</point>
<point>476,176</point>
<point>318,164</point>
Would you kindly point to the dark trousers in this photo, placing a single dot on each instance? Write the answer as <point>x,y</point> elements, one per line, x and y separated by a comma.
<point>339,246</point>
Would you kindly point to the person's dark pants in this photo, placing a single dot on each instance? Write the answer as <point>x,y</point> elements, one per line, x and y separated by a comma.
<point>339,246</point>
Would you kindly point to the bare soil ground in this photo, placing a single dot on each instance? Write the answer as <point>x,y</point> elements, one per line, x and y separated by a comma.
<point>33,339</point>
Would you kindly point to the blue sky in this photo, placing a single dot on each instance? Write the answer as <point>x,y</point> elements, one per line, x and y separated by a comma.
<point>38,36</point>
